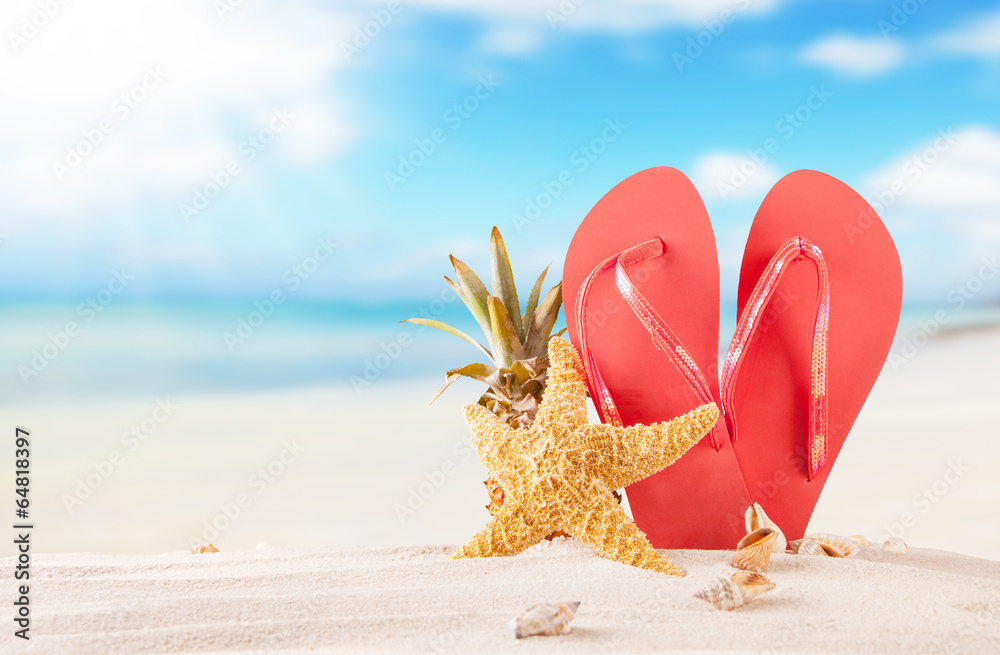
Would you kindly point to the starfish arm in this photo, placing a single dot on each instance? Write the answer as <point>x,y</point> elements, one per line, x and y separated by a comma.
<point>507,533</point>
<point>602,525</point>
<point>639,451</point>
<point>492,438</point>
<point>564,402</point>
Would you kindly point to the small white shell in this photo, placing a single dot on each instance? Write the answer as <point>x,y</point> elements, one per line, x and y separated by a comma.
<point>735,591</point>
<point>755,519</point>
<point>545,620</point>
<point>895,546</point>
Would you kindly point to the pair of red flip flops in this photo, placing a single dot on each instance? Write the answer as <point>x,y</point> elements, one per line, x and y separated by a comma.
<point>819,300</point>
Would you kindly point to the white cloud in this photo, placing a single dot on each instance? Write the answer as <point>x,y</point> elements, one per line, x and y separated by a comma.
<point>980,36</point>
<point>854,56</point>
<point>732,176</point>
<point>941,201</point>
<point>222,76</point>
<point>512,40</point>
<point>956,173</point>
<point>621,16</point>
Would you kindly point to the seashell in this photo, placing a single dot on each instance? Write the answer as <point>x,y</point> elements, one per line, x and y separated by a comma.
<point>755,519</point>
<point>754,550</point>
<point>830,545</point>
<point>834,545</point>
<point>735,591</point>
<point>545,620</point>
<point>809,547</point>
<point>895,546</point>
<point>204,549</point>
<point>860,540</point>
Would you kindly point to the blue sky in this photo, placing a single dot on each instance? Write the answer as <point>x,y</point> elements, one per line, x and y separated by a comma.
<point>203,82</point>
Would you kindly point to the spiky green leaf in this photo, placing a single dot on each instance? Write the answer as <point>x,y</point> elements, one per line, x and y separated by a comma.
<point>475,371</point>
<point>508,346</point>
<point>536,343</point>
<point>473,294</point>
<point>536,291</point>
<point>430,322</point>
<point>484,320</point>
<point>503,283</point>
<point>523,372</point>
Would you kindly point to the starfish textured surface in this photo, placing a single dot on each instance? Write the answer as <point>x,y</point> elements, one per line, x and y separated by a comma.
<point>560,474</point>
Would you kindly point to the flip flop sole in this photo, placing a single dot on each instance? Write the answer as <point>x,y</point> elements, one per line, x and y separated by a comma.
<point>772,388</point>
<point>699,501</point>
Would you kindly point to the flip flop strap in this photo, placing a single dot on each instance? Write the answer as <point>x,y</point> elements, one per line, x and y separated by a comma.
<point>663,337</point>
<point>795,250</point>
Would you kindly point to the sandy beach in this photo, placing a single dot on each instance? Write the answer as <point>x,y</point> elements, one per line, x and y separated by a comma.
<point>414,599</point>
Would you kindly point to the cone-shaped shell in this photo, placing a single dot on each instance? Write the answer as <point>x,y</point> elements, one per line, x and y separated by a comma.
<point>755,519</point>
<point>754,550</point>
<point>545,620</point>
<point>735,591</point>
<point>895,546</point>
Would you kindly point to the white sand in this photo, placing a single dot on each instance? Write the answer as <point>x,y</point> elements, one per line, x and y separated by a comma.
<point>413,599</point>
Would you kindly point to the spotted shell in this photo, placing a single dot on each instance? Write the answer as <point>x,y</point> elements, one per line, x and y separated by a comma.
<point>735,591</point>
<point>895,546</point>
<point>860,540</point>
<point>753,552</point>
<point>545,620</point>
<point>755,519</point>
<point>198,550</point>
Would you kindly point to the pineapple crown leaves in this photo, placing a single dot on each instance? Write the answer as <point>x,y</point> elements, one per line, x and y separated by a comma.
<point>516,343</point>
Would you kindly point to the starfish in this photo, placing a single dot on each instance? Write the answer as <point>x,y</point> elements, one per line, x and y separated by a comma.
<point>560,474</point>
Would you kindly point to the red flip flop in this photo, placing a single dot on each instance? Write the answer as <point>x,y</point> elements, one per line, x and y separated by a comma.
<point>819,300</point>
<point>642,282</point>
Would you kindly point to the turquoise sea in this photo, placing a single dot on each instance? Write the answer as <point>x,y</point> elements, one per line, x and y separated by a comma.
<point>69,351</point>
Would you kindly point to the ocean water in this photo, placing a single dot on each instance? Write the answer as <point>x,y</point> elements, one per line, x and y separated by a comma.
<point>65,351</point>
<point>141,350</point>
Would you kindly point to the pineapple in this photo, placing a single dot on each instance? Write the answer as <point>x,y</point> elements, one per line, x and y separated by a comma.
<point>517,344</point>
